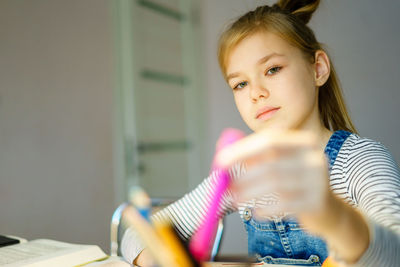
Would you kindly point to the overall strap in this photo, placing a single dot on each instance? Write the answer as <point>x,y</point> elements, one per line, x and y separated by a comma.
<point>334,144</point>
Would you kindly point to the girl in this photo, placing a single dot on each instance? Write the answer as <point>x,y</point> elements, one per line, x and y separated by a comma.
<point>283,80</point>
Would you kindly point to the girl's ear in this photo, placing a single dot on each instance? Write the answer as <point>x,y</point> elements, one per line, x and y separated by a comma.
<point>322,68</point>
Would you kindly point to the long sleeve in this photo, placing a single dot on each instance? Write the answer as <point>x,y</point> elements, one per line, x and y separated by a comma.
<point>372,180</point>
<point>186,213</point>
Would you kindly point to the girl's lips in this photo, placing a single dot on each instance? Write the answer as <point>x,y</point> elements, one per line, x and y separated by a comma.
<point>266,113</point>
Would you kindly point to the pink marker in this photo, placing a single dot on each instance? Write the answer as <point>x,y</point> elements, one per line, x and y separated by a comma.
<point>201,243</point>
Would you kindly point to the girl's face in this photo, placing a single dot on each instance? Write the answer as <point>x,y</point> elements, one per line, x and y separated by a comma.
<point>273,84</point>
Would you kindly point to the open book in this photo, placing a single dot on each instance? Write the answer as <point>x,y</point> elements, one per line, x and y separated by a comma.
<point>45,252</point>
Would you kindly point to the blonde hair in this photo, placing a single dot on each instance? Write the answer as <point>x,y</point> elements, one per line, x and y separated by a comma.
<point>288,19</point>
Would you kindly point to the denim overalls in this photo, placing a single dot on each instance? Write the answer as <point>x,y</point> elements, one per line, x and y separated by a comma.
<point>281,240</point>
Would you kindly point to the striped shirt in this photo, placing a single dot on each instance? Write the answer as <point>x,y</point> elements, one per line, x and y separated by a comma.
<point>364,175</point>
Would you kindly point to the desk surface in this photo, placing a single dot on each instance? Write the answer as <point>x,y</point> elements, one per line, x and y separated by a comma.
<point>238,264</point>
<point>118,262</point>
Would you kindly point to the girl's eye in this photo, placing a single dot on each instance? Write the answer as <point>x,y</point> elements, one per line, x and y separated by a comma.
<point>240,85</point>
<point>273,70</point>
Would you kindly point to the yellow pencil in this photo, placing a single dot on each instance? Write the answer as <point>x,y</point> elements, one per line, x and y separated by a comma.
<point>168,235</point>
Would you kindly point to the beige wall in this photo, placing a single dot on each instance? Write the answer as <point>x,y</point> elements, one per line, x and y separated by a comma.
<point>55,119</point>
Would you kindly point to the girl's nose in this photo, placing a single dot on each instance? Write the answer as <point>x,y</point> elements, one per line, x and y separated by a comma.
<point>258,91</point>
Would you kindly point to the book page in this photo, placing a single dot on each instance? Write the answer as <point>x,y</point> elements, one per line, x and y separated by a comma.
<point>44,252</point>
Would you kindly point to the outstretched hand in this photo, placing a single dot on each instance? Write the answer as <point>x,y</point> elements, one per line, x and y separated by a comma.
<point>288,163</point>
<point>293,166</point>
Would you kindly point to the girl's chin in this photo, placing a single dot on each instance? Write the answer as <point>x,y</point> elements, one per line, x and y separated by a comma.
<point>270,126</point>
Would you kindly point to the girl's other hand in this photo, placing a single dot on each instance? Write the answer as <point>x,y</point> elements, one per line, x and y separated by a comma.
<point>144,259</point>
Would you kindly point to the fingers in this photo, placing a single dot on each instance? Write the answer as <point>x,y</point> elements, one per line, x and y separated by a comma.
<point>286,163</point>
<point>278,177</point>
<point>299,183</point>
<point>262,142</point>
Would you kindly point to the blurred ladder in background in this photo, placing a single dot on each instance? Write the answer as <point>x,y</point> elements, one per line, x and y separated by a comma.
<point>158,97</point>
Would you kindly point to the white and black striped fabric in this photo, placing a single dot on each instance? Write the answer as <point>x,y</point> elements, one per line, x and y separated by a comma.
<point>364,175</point>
